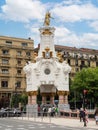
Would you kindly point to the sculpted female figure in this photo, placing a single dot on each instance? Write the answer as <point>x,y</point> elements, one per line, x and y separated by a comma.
<point>47,19</point>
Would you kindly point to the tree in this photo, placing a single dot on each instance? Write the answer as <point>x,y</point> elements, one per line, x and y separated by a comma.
<point>87,79</point>
<point>19,98</point>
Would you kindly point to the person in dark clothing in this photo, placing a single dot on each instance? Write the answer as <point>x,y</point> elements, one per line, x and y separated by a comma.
<point>96,115</point>
<point>81,114</point>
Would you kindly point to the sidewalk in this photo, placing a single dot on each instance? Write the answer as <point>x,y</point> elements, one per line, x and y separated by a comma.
<point>62,121</point>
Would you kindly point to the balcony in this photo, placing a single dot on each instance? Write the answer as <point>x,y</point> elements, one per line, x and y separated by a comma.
<point>5,64</point>
<point>28,57</point>
<point>19,75</point>
<point>19,65</point>
<point>5,55</point>
<point>19,56</point>
<point>6,89</point>
<point>4,75</point>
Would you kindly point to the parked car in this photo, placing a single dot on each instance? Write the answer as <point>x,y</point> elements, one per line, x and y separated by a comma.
<point>7,112</point>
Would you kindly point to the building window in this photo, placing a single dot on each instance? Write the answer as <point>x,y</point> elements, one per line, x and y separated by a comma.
<point>5,61</point>
<point>5,52</point>
<point>77,69</point>
<point>18,84</point>
<point>19,62</point>
<point>5,71</point>
<point>69,61</point>
<point>9,42</point>
<point>76,62</point>
<point>18,71</point>
<point>82,63</point>
<point>88,63</point>
<point>96,64</point>
<point>19,53</point>
<point>4,84</point>
<point>28,54</point>
<point>24,44</point>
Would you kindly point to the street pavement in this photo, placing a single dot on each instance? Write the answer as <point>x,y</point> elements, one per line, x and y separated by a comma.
<point>63,121</point>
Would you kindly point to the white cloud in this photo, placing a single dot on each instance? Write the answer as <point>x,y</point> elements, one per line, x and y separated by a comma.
<point>73,13</point>
<point>94,25</point>
<point>31,13</point>
<point>24,11</point>
<point>68,38</point>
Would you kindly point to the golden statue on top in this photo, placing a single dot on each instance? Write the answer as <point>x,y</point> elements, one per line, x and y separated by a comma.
<point>47,19</point>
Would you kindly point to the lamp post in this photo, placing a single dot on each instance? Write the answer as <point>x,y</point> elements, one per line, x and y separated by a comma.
<point>15,95</point>
<point>84,94</point>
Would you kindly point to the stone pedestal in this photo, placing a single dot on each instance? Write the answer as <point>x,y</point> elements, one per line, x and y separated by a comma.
<point>32,107</point>
<point>32,110</point>
<point>63,101</point>
<point>63,107</point>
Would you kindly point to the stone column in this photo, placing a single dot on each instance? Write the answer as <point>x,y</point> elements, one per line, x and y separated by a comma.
<point>43,99</point>
<point>66,99</point>
<point>32,97</point>
<point>52,99</point>
<point>29,99</point>
<point>61,97</point>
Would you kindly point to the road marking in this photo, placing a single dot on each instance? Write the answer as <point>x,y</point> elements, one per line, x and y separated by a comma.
<point>31,127</point>
<point>8,129</point>
<point>21,128</point>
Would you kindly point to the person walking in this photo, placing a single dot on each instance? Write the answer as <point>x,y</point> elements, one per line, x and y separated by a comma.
<point>81,114</point>
<point>96,115</point>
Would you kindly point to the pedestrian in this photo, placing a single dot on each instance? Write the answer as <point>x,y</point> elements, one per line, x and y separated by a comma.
<point>96,115</point>
<point>49,111</point>
<point>81,114</point>
<point>56,111</point>
<point>85,117</point>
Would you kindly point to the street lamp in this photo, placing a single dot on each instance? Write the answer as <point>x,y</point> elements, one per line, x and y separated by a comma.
<point>84,94</point>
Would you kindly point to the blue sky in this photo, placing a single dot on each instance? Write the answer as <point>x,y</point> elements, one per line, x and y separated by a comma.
<point>75,21</point>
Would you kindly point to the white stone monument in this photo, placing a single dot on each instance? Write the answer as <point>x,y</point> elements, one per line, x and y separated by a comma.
<point>47,73</point>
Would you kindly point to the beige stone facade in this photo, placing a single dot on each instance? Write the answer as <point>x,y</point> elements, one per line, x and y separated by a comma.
<point>14,53</point>
<point>77,58</point>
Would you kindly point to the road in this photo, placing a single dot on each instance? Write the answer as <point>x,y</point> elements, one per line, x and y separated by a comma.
<point>15,124</point>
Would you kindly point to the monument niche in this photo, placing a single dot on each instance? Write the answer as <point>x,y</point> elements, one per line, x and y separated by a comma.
<point>47,73</point>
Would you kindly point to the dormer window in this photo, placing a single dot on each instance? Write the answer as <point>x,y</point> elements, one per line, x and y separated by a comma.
<point>9,42</point>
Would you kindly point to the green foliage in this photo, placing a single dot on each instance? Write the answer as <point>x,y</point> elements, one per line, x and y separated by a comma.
<point>87,79</point>
<point>19,98</point>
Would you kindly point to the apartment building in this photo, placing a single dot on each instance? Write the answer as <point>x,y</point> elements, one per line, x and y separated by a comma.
<point>77,58</point>
<point>14,53</point>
